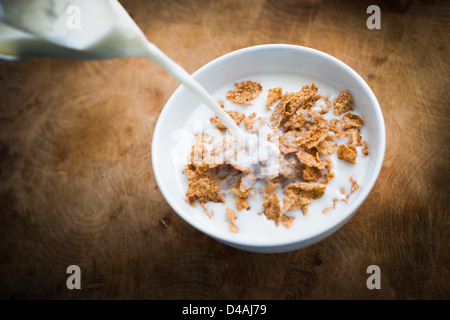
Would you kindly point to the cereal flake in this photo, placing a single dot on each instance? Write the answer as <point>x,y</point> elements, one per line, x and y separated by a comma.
<point>232,218</point>
<point>244,92</point>
<point>203,187</point>
<point>273,95</point>
<point>351,120</point>
<point>347,153</point>
<point>272,208</point>
<point>342,103</point>
<point>300,195</point>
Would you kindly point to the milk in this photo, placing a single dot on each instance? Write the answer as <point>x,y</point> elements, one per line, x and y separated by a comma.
<point>105,31</point>
<point>253,225</point>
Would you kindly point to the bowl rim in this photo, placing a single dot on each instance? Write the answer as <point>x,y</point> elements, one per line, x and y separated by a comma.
<point>320,234</point>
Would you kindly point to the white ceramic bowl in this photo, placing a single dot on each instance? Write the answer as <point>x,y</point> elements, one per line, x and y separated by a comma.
<point>245,63</point>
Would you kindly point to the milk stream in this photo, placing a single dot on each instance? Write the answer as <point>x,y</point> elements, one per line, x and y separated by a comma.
<point>88,30</point>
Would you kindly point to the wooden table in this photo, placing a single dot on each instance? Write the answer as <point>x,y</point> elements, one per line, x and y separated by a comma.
<point>77,186</point>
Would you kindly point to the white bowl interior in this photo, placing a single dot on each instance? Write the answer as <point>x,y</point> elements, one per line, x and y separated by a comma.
<point>245,63</point>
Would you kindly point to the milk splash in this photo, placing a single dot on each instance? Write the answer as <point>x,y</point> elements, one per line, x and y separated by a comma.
<point>260,156</point>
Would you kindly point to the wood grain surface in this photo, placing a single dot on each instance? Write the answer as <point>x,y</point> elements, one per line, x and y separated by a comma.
<point>76,179</point>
